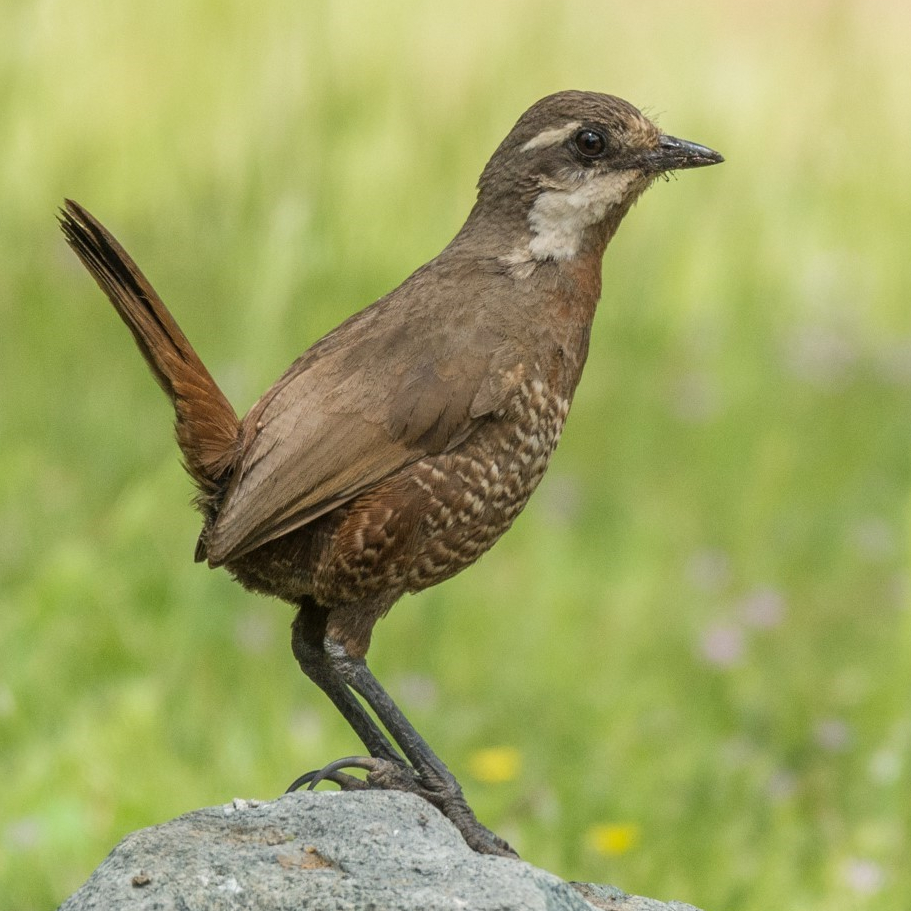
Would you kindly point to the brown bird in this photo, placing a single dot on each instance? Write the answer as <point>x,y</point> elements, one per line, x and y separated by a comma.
<point>397,450</point>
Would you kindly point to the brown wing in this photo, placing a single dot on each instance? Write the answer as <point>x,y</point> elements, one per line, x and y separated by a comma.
<point>382,391</point>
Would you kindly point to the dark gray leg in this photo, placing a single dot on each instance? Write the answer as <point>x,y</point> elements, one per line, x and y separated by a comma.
<point>316,665</point>
<point>437,784</point>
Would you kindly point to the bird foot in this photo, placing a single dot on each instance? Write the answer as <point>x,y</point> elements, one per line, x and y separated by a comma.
<point>382,774</point>
<point>386,775</point>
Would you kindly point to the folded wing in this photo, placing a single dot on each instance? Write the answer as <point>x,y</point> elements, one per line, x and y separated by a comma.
<point>374,396</point>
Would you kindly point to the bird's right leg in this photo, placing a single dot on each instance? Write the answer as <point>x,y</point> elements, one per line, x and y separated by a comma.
<point>340,676</point>
<point>316,665</point>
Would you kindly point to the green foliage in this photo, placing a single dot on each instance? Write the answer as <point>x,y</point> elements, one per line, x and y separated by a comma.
<point>697,634</point>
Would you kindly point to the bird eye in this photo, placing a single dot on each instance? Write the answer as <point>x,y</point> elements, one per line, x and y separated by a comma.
<point>590,143</point>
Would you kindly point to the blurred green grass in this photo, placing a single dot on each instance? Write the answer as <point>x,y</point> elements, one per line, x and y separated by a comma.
<point>699,630</point>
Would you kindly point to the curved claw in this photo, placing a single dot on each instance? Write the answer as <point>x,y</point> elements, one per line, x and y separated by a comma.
<point>329,772</point>
<point>387,775</point>
<point>332,772</point>
<point>345,782</point>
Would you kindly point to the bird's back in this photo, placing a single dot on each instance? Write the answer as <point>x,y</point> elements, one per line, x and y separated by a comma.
<point>428,420</point>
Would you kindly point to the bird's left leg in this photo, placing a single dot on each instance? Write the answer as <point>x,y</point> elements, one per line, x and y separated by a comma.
<point>307,633</point>
<point>436,783</point>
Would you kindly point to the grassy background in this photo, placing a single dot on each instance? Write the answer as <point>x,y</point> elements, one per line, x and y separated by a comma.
<point>691,655</point>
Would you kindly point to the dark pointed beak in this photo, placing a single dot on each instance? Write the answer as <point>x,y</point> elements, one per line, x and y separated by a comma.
<point>672,154</point>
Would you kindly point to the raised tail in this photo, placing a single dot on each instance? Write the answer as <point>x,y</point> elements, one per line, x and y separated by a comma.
<point>207,427</point>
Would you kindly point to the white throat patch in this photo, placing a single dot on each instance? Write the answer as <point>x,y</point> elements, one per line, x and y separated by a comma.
<point>558,218</point>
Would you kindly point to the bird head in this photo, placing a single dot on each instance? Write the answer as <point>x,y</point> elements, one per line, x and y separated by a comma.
<point>570,169</point>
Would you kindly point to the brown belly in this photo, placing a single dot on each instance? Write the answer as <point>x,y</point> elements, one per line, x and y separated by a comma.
<point>425,523</point>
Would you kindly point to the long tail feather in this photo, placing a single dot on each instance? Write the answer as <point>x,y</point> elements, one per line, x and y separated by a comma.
<point>206,424</point>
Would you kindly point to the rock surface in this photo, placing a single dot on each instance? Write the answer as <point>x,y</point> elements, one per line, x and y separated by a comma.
<point>327,851</point>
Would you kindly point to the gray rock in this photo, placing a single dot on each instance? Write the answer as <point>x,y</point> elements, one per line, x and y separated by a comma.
<point>327,851</point>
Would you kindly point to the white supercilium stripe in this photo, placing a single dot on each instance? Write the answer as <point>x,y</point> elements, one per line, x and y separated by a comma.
<point>551,137</point>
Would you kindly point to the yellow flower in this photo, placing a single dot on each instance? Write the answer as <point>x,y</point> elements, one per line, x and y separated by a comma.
<point>612,838</point>
<point>495,765</point>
